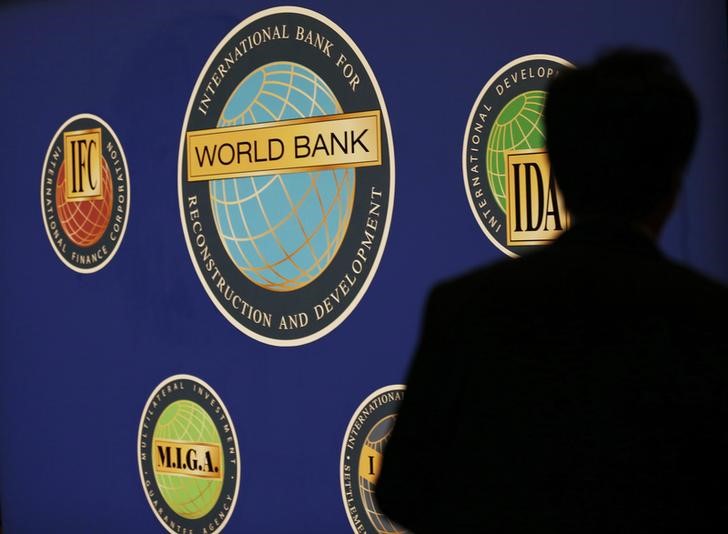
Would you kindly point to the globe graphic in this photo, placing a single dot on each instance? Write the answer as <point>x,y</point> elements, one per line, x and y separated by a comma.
<point>282,230</point>
<point>189,496</point>
<point>84,221</point>
<point>376,439</point>
<point>518,126</point>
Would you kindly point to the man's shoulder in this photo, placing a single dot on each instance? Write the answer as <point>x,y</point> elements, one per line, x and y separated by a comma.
<point>476,293</point>
<point>465,284</point>
<point>581,279</point>
<point>702,303</point>
<point>696,282</point>
<point>499,275</point>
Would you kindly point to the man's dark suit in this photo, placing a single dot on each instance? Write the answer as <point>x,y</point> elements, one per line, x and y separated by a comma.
<point>580,389</point>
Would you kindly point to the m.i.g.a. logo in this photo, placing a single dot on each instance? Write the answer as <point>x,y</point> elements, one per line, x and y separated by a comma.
<point>189,461</point>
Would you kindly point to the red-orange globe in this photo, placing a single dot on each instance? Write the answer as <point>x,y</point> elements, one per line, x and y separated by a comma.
<point>85,221</point>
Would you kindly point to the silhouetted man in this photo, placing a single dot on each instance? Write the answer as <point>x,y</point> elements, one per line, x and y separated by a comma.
<point>592,395</point>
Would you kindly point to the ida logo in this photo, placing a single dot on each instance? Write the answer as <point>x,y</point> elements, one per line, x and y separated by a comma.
<point>506,169</point>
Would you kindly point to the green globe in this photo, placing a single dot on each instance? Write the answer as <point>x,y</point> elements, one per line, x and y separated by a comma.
<point>376,439</point>
<point>282,230</point>
<point>519,126</point>
<point>189,496</point>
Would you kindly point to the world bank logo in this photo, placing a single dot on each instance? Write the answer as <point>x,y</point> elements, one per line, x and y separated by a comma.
<point>189,461</point>
<point>506,169</point>
<point>361,459</point>
<point>84,193</point>
<point>286,176</point>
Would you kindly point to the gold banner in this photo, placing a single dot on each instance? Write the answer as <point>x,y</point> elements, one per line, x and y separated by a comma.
<point>370,462</point>
<point>82,153</point>
<point>200,460</point>
<point>536,212</point>
<point>316,143</point>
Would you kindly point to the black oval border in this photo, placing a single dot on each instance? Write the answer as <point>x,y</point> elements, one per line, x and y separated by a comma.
<point>532,60</point>
<point>229,466</point>
<point>280,302</point>
<point>84,121</point>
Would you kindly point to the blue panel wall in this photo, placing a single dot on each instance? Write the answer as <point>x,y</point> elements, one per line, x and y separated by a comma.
<point>70,404</point>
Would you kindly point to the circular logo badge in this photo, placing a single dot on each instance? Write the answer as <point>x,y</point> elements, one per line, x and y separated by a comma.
<point>189,460</point>
<point>84,193</point>
<point>286,176</point>
<point>361,458</point>
<point>506,169</point>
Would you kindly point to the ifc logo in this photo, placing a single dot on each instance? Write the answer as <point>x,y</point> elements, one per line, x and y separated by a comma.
<point>361,458</point>
<point>286,176</point>
<point>84,193</point>
<point>506,169</point>
<point>188,455</point>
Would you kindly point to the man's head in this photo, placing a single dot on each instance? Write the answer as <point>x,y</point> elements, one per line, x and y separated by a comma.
<point>619,133</point>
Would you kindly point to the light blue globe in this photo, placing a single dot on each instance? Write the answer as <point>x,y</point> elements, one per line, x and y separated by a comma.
<point>282,230</point>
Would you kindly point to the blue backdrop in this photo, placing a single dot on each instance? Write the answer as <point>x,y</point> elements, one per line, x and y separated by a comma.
<point>70,405</point>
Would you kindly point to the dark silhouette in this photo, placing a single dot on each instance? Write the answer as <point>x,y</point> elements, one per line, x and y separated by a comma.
<point>582,388</point>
